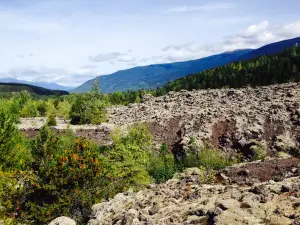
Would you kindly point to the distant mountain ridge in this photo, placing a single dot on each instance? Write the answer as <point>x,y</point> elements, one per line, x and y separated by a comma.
<point>47,85</point>
<point>152,76</point>
<point>272,48</point>
<point>17,87</point>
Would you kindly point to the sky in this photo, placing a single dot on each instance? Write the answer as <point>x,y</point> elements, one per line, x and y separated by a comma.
<point>71,41</point>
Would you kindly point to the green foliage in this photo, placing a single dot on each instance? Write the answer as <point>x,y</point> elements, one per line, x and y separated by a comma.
<point>42,108</point>
<point>207,176</point>
<point>88,109</point>
<point>71,175</point>
<point>63,109</point>
<point>13,151</point>
<point>130,156</point>
<point>51,120</point>
<point>258,152</point>
<point>206,157</point>
<point>162,166</point>
<point>29,109</point>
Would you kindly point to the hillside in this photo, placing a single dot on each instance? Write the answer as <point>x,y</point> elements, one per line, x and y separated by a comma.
<point>264,70</point>
<point>272,48</point>
<point>47,85</point>
<point>153,76</point>
<point>16,87</point>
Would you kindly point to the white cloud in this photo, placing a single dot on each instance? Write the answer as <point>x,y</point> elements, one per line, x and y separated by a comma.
<point>126,58</point>
<point>254,36</point>
<point>118,56</point>
<point>205,7</point>
<point>105,57</point>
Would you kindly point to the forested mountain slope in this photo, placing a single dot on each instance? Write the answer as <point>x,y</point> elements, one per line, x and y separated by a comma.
<point>152,76</point>
<point>47,85</point>
<point>264,70</point>
<point>273,69</point>
<point>15,87</point>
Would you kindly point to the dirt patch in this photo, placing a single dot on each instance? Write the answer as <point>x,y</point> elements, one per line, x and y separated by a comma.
<point>222,133</point>
<point>277,170</point>
<point>271,130</point>
<point>101,136</point>
<point>170,133</point>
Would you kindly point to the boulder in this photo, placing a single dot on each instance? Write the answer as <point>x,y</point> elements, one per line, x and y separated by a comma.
<point>63,220</point>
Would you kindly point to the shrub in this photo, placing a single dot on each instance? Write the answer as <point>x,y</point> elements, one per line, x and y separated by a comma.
<point>207,176</point>
<point>29,109</point>
<point>258,152</point>
<point>207,157</point>
<point>161,166</point>
<point>13,150</point>
<point>129,157</point>
<point>51,120</point>
<point>63,109</point>
<point>88,109</point>
<point>71,176</point>
<point>42,108</point>
<point>13,194</point>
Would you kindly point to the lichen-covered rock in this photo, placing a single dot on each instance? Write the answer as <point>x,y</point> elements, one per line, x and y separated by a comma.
<point>63,220</point>
<point>188,201</point>
<point>227,118</point>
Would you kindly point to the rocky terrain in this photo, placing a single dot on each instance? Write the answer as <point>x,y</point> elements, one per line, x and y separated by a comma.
<point>230,119</point>
<point>254,193</point>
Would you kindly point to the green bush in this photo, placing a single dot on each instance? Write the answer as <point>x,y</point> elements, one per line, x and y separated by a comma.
<point>88,109</point>
<point>29,109</point>
<point>13,150</point>
<point>162,166</point>
<point>42,108</point>
<point>71,175</point>
<point>258,152</point>
<point>129,157</point>
<point>206,157</point>
<point>51,120</point>
<point>12,195</point>
<point>63,109</point>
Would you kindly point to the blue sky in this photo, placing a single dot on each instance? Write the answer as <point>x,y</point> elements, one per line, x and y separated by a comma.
<point>71,41</point>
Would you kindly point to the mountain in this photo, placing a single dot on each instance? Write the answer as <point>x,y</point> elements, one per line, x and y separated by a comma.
<point>152,76</point>
<point>271,49</point>
<point>17,87</point>
<point>282,67</point>
<point>47,85</point>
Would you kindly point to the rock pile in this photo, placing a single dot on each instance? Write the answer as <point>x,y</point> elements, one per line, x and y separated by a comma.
<point>186,200</point>
<point>268,117</point>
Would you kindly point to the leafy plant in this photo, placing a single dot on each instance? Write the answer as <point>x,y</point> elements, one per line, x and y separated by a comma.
<point>130,156</point>
<point>51,120</point>
<point>13,150</point>
<point>161,166</point>
<point>71,176</point>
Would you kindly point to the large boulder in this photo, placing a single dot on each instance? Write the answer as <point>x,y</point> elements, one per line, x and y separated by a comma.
<point>63,220</point>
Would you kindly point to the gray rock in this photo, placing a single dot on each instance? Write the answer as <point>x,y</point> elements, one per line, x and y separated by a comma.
<point>63,220</point>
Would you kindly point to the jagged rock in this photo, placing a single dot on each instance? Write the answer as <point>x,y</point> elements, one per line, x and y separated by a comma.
<point>192,171</point>
<point>63,220</point>
<point>286,188</point>
<point>191,202</point>
<point>227,204</point>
